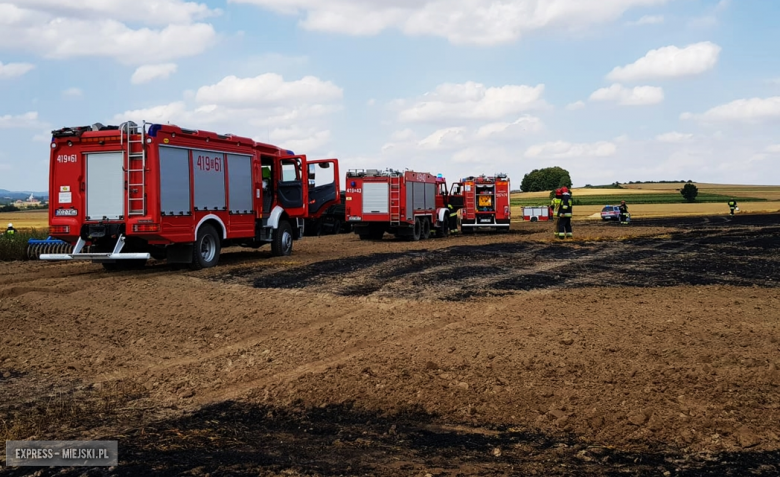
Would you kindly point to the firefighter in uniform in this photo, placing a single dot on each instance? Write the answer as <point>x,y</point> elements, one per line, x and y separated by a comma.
<point>453,219</point>
<point>555,205</point>
<point>10,231</point>
<point>564,215</point>
<point>623,212</point>
<point>732,205</point>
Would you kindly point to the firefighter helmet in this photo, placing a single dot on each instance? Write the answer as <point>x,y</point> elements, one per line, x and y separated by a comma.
<point>565,190</point>
<point>10,226</point>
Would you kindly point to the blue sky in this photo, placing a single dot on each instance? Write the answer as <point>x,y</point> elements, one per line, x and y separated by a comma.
<point>609,89</point>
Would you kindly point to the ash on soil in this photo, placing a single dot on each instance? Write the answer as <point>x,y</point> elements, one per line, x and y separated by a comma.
<point>233,438</point>
<point>744,256</point>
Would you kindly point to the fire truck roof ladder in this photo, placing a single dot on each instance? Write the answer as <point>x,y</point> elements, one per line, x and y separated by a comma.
<point>395,200</point>
<point>136,166</point>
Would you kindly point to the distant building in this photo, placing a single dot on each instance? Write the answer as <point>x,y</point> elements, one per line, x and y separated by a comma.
<point>29,202</point>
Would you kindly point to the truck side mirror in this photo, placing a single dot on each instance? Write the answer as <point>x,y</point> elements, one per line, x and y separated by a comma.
<point>312,171</point>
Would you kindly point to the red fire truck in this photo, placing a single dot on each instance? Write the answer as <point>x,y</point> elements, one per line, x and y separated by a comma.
<point>485,202</point>
<point>406,204</point>
<point>135,192</point>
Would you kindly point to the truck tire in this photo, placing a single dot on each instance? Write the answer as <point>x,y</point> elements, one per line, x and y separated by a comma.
<point>336,227</point>
<point>282,243</point>
<point>205,251</point>
<point>444,229</point>
<point>417,231</point>
<point>426,229</point>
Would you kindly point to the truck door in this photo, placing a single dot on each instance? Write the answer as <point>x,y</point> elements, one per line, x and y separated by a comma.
<point>323,183</point>
<point>290,191</point>
<point>455,197</point>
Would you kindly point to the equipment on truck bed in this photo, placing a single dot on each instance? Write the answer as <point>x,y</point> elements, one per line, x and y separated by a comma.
<point>134,192</point>
<point>406,204</point>
<point>485,202</point>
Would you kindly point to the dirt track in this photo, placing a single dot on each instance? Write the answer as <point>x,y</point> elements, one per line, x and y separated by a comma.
<point>644,349</point>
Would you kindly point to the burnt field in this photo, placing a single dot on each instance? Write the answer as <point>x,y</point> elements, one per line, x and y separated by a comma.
<point>643,350</point>
<point>708,255</point>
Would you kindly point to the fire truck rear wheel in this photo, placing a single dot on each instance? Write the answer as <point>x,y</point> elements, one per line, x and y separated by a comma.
<point>426,229</point>
<point>444,230</point>
<point>205,252</point>
<point>417,231</point>
<point>283,240</point>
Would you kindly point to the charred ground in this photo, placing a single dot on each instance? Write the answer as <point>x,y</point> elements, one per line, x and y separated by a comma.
<point>644,350</point>
<point>743,255</point>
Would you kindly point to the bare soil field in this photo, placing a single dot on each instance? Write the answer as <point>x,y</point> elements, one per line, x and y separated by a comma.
<point>649,349</point>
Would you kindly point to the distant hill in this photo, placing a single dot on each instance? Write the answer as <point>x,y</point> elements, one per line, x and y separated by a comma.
<point>12,195</point>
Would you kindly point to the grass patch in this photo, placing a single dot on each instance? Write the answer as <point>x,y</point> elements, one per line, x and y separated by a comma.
<point>15,247</point>
<point>662,198</point>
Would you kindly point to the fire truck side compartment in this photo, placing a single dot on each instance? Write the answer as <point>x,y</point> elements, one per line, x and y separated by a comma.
<point>208,181</point>
<point>240,183</point>
<point>174,181</point>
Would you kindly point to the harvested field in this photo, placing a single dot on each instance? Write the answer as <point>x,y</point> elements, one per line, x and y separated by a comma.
<point>26,219</point>
<point>640,350</point>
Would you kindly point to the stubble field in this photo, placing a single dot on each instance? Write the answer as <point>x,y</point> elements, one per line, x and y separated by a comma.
<point>648,349</point>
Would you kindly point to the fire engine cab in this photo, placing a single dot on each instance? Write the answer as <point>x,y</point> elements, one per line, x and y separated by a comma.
<point>135,192</point>
<point>406,204</point>
<point>485,202</point>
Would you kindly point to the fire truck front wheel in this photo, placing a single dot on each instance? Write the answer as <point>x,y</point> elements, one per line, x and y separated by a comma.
<point>205,253</point>
<point>283,240</point>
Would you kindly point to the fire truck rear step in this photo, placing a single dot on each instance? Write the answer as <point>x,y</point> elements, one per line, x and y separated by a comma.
<point>97,257</point>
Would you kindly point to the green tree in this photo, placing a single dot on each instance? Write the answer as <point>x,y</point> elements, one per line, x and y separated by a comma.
<point>549,178</point>
<point>690,191</point>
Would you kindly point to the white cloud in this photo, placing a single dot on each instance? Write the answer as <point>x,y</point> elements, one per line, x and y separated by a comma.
<point>637,96</point>
<point>648,20</point>
<point>26,120</point>
<point>566,150</point>
<point>403,135</point>
<point>669,62</point>
<point>13,70</point>
<point>265,107</point>
<point>523,126</point>
<point>481,22</point>
<point>674,137</point>
<point>773,149</point>
<point>444,138</point>
<point>298,139</point>
<point>752,110</point>
<point>73,93</point>
<point>156,12</point>
<point>147,73</point>
<point>371,102</point>
<point>575,105</point>
<point>97,28</point>
<point>268,89</point>
<point>472,101</point>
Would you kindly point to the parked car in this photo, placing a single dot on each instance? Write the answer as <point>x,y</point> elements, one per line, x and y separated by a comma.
<point>610,212</point>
